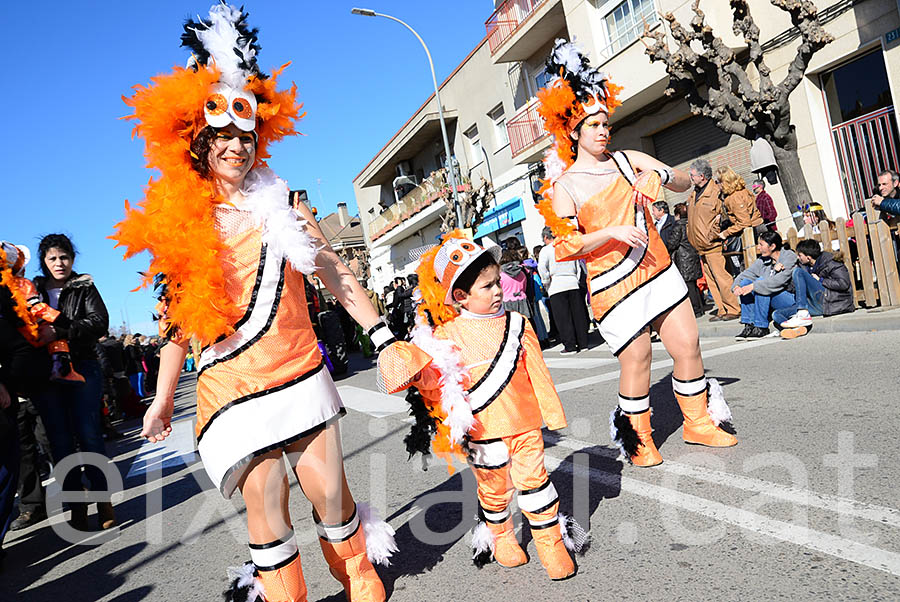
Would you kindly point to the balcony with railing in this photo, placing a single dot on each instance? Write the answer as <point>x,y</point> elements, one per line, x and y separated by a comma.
<point>513,19</point>
<point>526,130</point>
<point>412,204</point>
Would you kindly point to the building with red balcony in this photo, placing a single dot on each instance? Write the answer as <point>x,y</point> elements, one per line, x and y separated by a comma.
<point>843,112</point>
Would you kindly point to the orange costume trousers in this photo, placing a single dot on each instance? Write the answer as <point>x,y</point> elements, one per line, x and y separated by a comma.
<point>515,463</point>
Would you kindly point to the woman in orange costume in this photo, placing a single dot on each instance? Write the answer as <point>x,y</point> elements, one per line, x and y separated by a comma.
<point>596,201</point>
<point>232,253</point>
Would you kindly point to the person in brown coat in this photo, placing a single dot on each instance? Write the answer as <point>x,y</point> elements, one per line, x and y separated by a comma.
<point>739,212</point>
<point>704,213</point>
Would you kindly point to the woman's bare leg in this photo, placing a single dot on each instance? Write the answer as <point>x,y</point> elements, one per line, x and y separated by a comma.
<point>634,367</point>
<point>678,330</point>
<point>318,462</point>
<point>264,487</point>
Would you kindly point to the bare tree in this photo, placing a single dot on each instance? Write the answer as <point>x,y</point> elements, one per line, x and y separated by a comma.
<point>474,204</point>
<point>717,85</point>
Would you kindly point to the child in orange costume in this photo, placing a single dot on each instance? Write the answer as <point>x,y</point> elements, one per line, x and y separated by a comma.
<point>503,391</point>
<point>17,257</point>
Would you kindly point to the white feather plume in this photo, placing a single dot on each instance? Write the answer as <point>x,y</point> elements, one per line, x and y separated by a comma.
<point>482,539</point>
<point>567,54</point>
<point>221,40</point>
<point>614,436</point>
<point>284,232</point>
<point>454,400</point>
<point>244,577</point>
<point>380,543</point>
<point>716,407</point>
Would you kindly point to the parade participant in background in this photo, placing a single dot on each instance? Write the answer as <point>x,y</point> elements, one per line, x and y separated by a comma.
<point>232,276</point>
<point>596,203</point>
<point>490,387</point>
<point>23,368</point>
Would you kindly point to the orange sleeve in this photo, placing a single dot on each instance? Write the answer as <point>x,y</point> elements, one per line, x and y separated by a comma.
<point>539,374</point>
<point>568,247</point>
<point>399,364</point>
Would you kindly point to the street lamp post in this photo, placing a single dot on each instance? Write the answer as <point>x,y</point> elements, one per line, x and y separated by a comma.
<point>365,12</point>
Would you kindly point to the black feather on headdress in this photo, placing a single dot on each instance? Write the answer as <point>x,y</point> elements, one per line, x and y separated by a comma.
<point>245,45</point>
<point>568,60</point>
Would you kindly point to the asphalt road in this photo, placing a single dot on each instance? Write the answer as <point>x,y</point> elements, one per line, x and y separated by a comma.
<point>804,508</point>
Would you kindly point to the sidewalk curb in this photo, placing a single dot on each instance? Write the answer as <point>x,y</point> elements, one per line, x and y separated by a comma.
<point>861,320</point>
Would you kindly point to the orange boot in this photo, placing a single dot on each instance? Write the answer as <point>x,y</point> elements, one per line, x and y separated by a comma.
<point>285,584</point>
<point>350,556</point>
<point>552,550</point>
<point>275,575</point>
<point>497,540</point>
<point>704,409</point>
<point>631,432</point>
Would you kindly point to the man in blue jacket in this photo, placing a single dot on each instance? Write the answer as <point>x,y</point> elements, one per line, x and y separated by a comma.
<point>765,286</point>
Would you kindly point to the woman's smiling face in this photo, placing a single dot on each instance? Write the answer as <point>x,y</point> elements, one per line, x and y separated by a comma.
<point>232,154</point>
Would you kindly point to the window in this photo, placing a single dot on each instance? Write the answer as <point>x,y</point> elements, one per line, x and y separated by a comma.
<point>501,138</point>
<point>541,79</point>
<point>475,155</point>
<point>625,23</point>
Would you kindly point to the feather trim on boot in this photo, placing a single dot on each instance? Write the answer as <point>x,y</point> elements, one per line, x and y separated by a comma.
<point>482,545</point>
<point>380,543</point>
<point>574,536</point>
<point>245,585</point>
<point>717,408</point>
<point>623,434</point>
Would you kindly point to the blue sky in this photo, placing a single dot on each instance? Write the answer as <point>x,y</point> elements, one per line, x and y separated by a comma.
<point>69,162</point>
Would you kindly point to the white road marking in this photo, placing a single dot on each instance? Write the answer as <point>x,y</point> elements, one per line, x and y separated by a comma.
<point>794,495</point>
<point>825,543</point>
<point>178,448</point>
<point>372,403</point>
<point>578,363</point>
<point>666,363</point>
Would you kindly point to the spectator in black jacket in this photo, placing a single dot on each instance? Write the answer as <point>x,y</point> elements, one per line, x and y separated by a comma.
<point>822,288</point>
<point>686,258</point>
<point>72,413</point>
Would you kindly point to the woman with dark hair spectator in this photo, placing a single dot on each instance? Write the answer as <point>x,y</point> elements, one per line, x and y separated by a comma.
<point>71,413</point>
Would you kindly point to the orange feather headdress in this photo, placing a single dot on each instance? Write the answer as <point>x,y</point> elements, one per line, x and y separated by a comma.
<point>175,221</point>
<point>575,93</point>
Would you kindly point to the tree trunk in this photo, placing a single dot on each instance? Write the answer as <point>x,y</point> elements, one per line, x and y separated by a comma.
<point>790,174</point>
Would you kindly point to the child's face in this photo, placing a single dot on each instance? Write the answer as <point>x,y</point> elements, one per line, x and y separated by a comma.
<point>485,296</point>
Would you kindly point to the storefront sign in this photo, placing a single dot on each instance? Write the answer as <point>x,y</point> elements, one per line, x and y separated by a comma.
<point>501,216</point>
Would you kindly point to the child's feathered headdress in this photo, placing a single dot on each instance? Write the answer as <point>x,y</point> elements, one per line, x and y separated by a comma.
<point>576,91</point>
<point>221,84</point>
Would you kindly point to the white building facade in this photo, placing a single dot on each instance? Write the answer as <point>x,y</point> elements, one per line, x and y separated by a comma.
<point>843,111</point>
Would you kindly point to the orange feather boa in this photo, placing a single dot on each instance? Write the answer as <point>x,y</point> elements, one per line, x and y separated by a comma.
<point>175,221</point>
<point>30,328</point>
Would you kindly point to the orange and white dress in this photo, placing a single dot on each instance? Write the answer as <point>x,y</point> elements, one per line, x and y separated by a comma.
<point>629,286</point>
<point>265,385</point>
<point>508,385</point>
